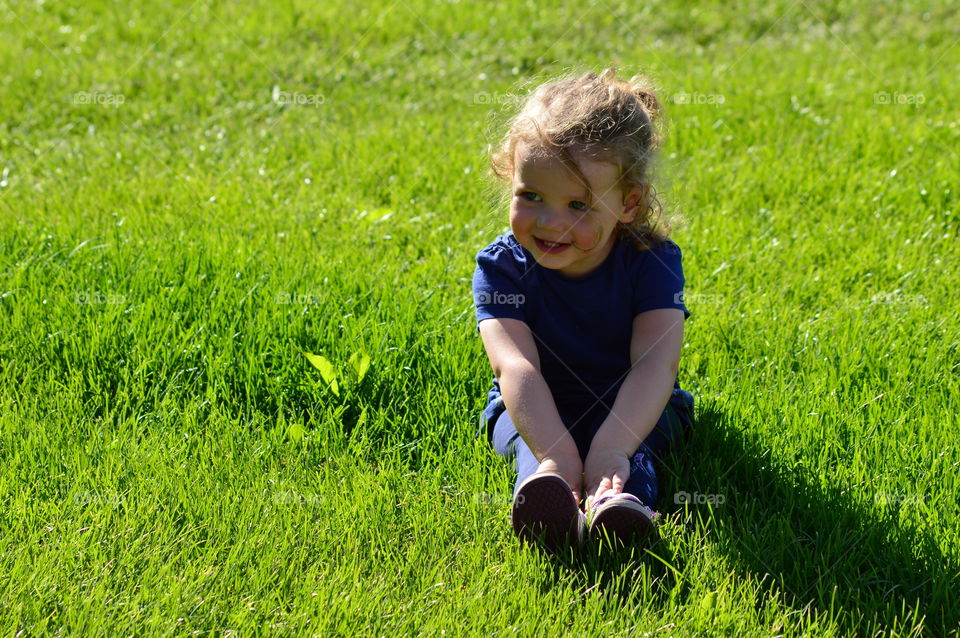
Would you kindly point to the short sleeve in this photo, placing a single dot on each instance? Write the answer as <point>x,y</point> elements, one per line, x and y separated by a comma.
<point>498,290</point>
<point>658,279</point>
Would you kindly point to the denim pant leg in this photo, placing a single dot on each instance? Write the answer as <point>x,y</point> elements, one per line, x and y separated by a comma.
<point>673,427</point>
<point>508,443</point>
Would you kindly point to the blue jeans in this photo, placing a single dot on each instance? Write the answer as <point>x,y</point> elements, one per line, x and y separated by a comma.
<point>673,427</point>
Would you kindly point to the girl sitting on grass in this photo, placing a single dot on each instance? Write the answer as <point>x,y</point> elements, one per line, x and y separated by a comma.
<point>580,309</point>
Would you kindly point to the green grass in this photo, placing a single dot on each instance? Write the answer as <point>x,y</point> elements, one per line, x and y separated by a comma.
<point>283,178</point>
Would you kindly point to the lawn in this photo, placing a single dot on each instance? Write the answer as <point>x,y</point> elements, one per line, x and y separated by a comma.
<point>196,195</point>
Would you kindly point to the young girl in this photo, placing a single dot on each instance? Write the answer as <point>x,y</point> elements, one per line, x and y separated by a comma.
<point>580,309</point>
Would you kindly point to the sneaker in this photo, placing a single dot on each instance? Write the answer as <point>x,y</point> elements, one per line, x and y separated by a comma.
<point>623,518</point>
<point>545,511</point>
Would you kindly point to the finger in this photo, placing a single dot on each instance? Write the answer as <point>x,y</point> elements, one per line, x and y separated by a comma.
<point>605,485</point>
<point>617,483</point>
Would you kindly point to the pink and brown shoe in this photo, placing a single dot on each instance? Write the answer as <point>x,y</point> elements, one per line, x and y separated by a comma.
<point>623,518</point>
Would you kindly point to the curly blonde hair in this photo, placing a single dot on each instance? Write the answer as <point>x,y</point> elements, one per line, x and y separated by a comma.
<point>607,118</point>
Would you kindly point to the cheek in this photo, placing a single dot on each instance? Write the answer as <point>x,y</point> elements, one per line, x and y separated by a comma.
<point>521,216</point>
<point>587,233</point>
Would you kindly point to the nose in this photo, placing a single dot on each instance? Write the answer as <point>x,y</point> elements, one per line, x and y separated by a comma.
<point>549,221</point>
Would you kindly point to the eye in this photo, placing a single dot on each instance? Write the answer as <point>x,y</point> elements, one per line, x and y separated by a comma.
<point>530,196</point>
<point>579,206</point>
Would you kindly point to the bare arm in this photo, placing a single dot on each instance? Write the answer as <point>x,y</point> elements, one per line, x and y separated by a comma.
<point>655,356</point>
<point>513,355</point>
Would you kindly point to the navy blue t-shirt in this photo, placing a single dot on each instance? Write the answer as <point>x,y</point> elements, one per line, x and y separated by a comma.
<point>582,326</point>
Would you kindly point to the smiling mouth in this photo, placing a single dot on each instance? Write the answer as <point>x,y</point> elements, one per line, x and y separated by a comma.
<point>550,246</point>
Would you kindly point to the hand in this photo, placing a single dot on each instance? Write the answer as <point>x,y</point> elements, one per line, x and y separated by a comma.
<point>568,466</point>
<point>604,470</point>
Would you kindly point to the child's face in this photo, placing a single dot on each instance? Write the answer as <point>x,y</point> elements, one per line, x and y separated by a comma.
<point>550,205</point>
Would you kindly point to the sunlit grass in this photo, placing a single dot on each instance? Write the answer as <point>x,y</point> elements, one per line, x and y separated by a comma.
<point>194,196</point>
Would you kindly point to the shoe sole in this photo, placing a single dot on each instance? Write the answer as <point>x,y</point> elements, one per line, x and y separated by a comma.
<point>545,511</point>
<point>623,522</point>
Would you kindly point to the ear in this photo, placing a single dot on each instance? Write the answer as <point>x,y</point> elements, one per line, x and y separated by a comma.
<point>632,200</point>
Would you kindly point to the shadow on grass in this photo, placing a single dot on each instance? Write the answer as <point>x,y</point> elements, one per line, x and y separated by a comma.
<point>632,573</point>
<point>818,547</point>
